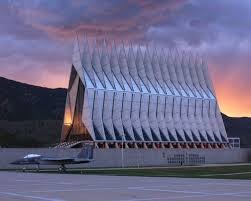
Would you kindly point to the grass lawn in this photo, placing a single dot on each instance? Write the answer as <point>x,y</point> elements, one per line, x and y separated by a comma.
<point>220,172</point>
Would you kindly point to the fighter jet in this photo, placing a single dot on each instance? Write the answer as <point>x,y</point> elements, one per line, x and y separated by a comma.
<point>85,156</point>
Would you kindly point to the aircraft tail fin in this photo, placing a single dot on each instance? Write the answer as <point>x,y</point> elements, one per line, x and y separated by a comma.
<point>86,152</point>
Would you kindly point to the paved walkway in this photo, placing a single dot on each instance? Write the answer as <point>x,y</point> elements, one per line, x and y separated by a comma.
<point>66,187</point>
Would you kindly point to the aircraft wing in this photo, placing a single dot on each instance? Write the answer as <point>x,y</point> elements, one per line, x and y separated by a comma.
<point>61,160</point>
<point>78,161</point>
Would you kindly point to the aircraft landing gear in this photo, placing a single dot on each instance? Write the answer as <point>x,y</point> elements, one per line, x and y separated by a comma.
<point>62,168</point>
<point>38,168</point>
<point>24,169</point>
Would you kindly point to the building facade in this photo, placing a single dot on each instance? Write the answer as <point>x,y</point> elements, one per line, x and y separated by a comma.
<point>142,98</point>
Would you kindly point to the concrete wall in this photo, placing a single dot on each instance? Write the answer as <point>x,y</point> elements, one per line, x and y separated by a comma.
<point>135,157</point>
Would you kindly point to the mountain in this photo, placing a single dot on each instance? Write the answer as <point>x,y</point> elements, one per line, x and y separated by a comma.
<point>19,102</point>
<point>239,127</point>
<point>32,116</point>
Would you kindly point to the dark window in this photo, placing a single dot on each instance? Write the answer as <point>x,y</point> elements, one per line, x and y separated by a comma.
<point>72,76</point>
<point>127,135</point>
<point>107,134</point>
<point>209,138</point>
<point>117,134</point>
<point>163,137</point>
<point>195,137</point>
<point>179,137</point>
<point>216,138</point>
<point>97,133</point>
<point>188,139</point>
<point>202,138</point>
<point>145,135</point>
<point>136,135</point>
<point>155,138</point>
<point>223,138</point>
<point>171,137</point>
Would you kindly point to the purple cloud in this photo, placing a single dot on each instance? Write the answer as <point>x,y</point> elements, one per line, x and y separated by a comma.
<point>36,37</point>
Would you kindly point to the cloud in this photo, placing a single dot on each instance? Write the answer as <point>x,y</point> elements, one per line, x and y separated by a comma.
<point>36,37</point>
<point>42,73</point>
<point>121,19</point>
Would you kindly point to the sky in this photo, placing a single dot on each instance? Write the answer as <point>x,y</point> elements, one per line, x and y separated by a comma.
<point>37,37</point>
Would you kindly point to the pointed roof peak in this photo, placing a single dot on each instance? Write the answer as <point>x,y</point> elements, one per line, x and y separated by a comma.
<point>123,44</point>
<point>139,55</point>
<point>138,49</point>
<point>114,51</point>
<point>131,52</point>
<point>130,47</point>
<point>104,43</point>
<point>76,43</point>
<point>155,53</point>
<point>114,45</point>
<point>95,49</point>
<point>189,57</point>
<point>104,48</point>
<point>162,56</point>
<point>203,61</point>
<point>197,60</point>
<point>94,42</point>
<point>147,52</point>
<point>86,47</point>
<point>122,51</point>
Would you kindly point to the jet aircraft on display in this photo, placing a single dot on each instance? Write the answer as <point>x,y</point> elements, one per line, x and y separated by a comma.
<point>85,156</point>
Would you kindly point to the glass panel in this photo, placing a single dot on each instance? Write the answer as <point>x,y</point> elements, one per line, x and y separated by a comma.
<point>211,95</point>
<point>126,86</point>
<point>135,87</point>
<point>88,81</point>
<point>183,91</point>
<point>168,91</point>
<point>107,83</point>
<point>152,89</point>
<point>190,93</point>
<point>176,91</point>
<point>160,89</point>
<point>144,89</point>
<point>197,94</point>
<point>98,83</point>
<point>204,94</point>
<point>117,85</point>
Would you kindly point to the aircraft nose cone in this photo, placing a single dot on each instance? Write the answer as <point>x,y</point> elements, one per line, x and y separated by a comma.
<point>15,162</point>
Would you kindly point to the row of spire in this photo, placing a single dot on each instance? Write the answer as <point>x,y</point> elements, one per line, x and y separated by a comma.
<point>144,67</point>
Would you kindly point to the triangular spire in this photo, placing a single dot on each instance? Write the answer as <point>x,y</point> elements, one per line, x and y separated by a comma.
<point>115,64</point>
<point>105,63</point>
<point>124,67</point>
<point>96,64</point>
<point>141,69</point>
<point>86,62</point>
<point>132,68</point>
<point>149,71</point>
<point>157,72</point>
